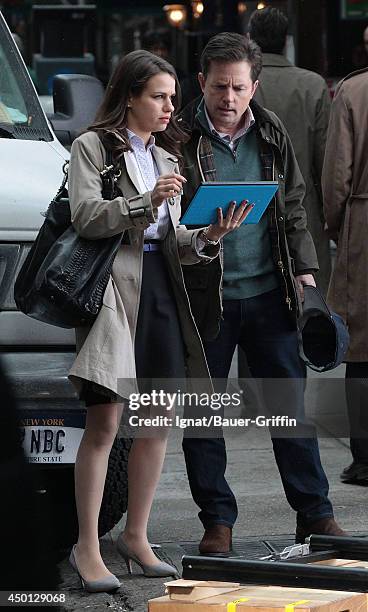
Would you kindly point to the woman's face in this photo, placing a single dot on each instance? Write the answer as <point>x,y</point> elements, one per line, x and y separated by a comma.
<point>151,110</point>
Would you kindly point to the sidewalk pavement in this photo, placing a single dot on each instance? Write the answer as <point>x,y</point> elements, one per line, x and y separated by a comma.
<point>263,511</point>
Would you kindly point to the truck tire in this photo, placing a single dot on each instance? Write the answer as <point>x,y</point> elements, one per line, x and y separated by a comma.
<point>56,497</point>
<point>115,497</point>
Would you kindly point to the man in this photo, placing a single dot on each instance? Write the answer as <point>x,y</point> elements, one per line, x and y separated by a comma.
<point>233,138</point>
<point>301,100</point>
<point>345,191</point>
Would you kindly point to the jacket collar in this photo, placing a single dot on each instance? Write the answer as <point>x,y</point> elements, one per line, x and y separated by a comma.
<point>189,122</point>
<point>355,73</point>
<point>204,118</point>
<point>162,153</point>
<point>275,59</point>
<point>132,171</point>
<point>165,163</point>
<point>349,76</point>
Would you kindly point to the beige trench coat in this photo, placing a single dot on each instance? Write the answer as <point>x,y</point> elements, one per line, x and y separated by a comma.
<point>345,190</point>
<point>106,350</point>
<point>300,98</point>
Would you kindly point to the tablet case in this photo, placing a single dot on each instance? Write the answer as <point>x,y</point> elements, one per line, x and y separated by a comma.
<point>202,209</point>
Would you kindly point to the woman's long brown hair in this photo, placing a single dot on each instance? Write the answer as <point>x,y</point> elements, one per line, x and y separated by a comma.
<point>129,80</point>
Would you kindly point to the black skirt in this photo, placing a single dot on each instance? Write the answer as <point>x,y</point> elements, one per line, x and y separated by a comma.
<point>159,347</point>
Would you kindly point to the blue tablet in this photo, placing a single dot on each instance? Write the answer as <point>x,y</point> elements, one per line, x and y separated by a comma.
<point>202,209</point>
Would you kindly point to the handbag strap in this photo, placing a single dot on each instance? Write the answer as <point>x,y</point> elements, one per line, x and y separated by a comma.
<point>109,176</point>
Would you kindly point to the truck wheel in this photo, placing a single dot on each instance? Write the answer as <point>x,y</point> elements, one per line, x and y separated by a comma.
<point>115,497</point>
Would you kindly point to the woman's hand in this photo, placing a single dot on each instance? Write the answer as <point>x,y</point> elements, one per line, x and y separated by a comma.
<point>167,186</point>
<point>234,218</point>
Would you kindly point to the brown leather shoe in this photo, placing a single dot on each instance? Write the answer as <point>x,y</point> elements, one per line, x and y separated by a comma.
<point>324,526</point>
<point>216,541</point>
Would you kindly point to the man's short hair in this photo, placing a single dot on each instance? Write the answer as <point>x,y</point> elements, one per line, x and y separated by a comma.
<point>232,47</point>
<point>268,27</point>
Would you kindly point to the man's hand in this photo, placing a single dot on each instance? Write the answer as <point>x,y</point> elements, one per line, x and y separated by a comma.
<point>304,279</point>
<point>332,234</point>
<point>167,186</point>
<point>234,218</point>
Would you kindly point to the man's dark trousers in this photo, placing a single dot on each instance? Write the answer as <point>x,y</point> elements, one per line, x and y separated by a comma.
<point>356,398</point>
<point>262,327</point>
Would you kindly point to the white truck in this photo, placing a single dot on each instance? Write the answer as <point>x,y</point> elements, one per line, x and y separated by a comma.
<point>37,356</point>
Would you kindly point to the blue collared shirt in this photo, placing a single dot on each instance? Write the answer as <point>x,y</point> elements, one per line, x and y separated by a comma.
<point>148,170</point>
<point>226,138</point>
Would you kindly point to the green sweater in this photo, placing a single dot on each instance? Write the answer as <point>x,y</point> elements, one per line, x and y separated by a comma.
<point>248,265</point>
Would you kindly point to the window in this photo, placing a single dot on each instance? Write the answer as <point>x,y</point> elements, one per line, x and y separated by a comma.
<point>20,112</point>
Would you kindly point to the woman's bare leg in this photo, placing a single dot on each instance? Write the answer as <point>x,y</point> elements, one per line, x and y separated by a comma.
<point>146,458</point>
<point>102,424</point>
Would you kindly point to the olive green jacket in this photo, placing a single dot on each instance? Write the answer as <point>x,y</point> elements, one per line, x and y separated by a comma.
<point>292,245</point>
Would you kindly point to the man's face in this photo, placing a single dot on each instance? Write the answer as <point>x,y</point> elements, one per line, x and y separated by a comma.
<point>227,90</point>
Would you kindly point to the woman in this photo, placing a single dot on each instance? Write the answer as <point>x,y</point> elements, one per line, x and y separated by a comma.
<point>145,328</point>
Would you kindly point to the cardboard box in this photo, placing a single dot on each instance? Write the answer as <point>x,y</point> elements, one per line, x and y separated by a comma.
<point>193,590</point>
<point>344,562</point>
<point>257,598</point>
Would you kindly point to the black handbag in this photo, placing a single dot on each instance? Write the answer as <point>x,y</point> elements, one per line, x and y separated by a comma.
<point>64,276</point>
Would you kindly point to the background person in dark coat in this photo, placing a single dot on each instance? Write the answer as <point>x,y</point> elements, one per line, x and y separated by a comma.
<point>300,98</point>
<point>345,191</point>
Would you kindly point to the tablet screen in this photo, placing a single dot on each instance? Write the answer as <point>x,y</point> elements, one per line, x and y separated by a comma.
<point>202,210</point>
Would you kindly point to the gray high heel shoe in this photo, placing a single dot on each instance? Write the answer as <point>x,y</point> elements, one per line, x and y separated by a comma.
<point>107,584</point>
<point>159,570</point>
